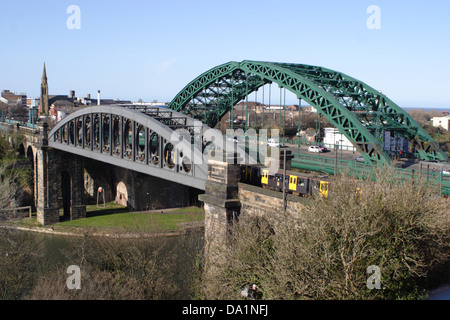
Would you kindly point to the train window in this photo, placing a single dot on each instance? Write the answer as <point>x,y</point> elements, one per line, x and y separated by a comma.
<point>265,177</point>
<point>293,182</point>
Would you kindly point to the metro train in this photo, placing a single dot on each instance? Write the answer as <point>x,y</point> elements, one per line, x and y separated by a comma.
<point>301,184</point>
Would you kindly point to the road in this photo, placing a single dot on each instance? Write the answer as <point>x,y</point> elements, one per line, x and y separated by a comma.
<point>350,156</point>
<point>342,155</point>
<point>430,167</point>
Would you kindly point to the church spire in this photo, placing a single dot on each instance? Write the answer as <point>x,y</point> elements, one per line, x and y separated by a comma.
<point>44,75</point>
<point>43,101</point>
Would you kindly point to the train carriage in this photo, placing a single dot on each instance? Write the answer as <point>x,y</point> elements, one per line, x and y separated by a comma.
<point>321,186</point>
<point>298,184</point>
<point>251,174</point>
<point>303,184</point>
<point>276,182</point>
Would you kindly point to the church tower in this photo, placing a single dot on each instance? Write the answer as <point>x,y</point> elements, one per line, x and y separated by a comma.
<point>43,101</point>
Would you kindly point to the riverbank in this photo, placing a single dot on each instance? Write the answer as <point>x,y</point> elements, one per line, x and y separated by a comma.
<point>118,233</point>
<point>120,223</point>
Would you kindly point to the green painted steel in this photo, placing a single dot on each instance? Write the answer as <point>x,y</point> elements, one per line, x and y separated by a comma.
<point>358,111</point>
<point>326,165</point>
<point>373,108</point>
<point>212,94</point>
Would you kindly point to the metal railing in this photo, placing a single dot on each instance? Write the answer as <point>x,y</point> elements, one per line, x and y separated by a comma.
<point>15,210</point>
<point>20,123</point>
<point>330,165</point>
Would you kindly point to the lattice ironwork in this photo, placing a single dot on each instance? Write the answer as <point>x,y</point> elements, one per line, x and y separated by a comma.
<point>360,112</point>
<point>143,139</point>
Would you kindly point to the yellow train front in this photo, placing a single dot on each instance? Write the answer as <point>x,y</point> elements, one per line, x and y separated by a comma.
<point>301,184</point>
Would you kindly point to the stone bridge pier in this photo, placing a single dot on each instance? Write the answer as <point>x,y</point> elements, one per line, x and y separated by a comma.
<point>221,203</point>
<point>59,184</point>
<point>226,199</point>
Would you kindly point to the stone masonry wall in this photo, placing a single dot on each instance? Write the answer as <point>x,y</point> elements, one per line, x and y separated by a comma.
<point>50,166</point>
<point>256,201</point>
<point>226,200</point>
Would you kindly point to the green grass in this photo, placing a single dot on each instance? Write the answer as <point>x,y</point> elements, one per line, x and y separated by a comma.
<point>189,210</point>
<point>118,217</point>
<point>106,206</point>
<point>115,217</point>
<point>135,221</point>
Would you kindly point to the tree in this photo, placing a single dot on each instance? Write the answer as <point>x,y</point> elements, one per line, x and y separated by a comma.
<point>10,177</point>
<point>144,267</point>
<point>20,263</point>
<point>325,251</point>
<point>9,191</point>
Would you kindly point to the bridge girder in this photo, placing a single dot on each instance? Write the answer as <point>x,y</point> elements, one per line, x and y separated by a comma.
<point>358,111</point>
<point>150,140</point>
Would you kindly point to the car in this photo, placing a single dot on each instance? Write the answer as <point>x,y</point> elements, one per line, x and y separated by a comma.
<point>324,149</point>
<point>273,143</point>
<point>314,149</point>
<point>446,172</point>
<point>360,159</point>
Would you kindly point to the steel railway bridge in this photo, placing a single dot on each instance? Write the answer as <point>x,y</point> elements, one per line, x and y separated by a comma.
<point>358,111</point>
<point>152,140</point>
<point>170,143</point>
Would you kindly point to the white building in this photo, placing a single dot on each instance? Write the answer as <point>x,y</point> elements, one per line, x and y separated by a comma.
<point>391,142</point>
<point>60,114</point>
<point>443,122</point>
<point>333,137</point>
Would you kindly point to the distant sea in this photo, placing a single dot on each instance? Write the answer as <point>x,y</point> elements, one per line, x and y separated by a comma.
<point>411,108</point>
<point>427,109</point>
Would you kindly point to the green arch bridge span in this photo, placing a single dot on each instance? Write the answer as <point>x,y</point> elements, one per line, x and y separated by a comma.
<point>358,111</point>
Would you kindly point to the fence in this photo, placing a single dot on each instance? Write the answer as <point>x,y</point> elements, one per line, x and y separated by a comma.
<point>330,165</point>
<point>13,213</point>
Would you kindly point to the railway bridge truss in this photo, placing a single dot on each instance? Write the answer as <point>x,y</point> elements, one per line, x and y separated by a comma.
<point>170,142</point>
<point>358,111</point>
<point>151,140</point>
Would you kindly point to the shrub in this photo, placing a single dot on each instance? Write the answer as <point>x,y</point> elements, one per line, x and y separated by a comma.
<point>399,226</point>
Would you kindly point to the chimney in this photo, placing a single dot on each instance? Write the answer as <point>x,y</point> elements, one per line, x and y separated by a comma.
<point>98,97</point>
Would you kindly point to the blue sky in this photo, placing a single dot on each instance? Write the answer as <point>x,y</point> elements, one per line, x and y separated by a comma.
<point>152,49</point>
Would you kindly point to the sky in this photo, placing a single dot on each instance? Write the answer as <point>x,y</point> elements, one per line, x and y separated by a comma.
<point>150,49</point>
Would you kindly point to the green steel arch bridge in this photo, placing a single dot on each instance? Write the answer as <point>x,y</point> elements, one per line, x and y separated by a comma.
<point>360,112</point>
<point>147,140</point>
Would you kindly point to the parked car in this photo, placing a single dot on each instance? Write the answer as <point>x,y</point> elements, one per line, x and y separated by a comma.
<point>314,149</point>
<point>273,143</point>
<point>446,172</point>
<point>323,148</point>
<point>360,159</point>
